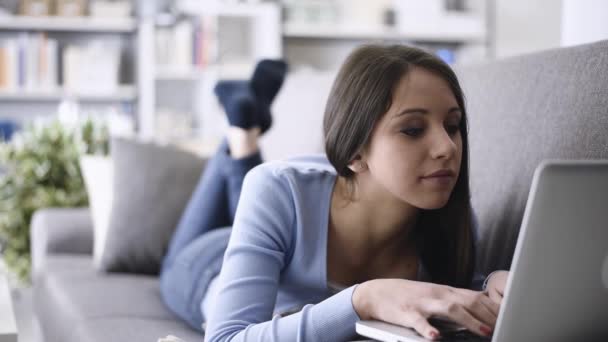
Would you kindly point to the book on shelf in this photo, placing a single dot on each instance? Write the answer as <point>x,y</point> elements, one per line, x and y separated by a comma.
<point>65,8</point>
<point>29,62</point>
<point>92,68</point>
<point>35,7</point>
<point>70,8</point>
<point>188,44</point>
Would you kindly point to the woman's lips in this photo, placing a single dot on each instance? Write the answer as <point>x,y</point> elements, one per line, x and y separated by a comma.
<point>441,172</point>
<point>439,180</point>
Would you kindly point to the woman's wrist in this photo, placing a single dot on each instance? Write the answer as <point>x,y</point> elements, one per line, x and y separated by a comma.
<point>361,300</point>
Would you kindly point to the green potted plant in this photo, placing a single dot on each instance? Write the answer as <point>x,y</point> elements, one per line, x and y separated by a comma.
<point>40,169</point>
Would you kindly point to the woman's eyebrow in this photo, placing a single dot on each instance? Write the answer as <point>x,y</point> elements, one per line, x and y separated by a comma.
<point>424,111</point>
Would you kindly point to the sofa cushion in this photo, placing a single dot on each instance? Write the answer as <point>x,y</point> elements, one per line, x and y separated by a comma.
<point>71,290</point>
<point>552,104</point>
<point>152,185</point>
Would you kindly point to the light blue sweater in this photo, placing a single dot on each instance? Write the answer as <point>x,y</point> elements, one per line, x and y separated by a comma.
<point>276,261</point>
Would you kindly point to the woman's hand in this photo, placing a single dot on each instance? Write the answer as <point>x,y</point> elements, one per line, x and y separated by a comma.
<point>495,287</point>
<point>411,303</point>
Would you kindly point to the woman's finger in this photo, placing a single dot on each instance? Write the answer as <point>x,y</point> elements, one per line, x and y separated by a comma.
<point>456,313</point>
<point>483,299</point>
<point>495,296</point>
<point>477,306</point>
<point>422,326</point>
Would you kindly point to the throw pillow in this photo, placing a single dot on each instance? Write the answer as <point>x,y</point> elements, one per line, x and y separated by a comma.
<point>152,184</point>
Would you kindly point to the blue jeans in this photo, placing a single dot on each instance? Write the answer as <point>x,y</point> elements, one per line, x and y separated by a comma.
<point>198,244</point>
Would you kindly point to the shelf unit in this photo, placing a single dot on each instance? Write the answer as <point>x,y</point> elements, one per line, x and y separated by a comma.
<point>23,103</point>
<point>388,34</point>
<point>321,46</point>
<point>68,24</point>
<point>228,70</point>
<point>265,22</point>
<point>123,93</point>
<point>168,73</point>
<point>192,87</point>
<point>325,44</point>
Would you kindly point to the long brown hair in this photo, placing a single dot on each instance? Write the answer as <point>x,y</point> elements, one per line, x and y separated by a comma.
<point>361,94</point>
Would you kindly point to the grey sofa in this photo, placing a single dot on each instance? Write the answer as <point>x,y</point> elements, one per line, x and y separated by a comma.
<point>552,104</point>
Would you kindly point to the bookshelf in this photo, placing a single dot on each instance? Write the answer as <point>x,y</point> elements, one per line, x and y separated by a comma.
<point>246,32</point>
<point>225,70</point>
<point>229,25</point>
<point>50,59</point>
<point>322,46</point>
<point>324,41</point>
<point>122,94</point>
<point>230,37</point>
<point>440,35</point>
<point>68,24</point>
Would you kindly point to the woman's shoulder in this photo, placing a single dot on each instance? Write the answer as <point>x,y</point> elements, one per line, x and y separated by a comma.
<point>283,190</point>
<point>300,169</point>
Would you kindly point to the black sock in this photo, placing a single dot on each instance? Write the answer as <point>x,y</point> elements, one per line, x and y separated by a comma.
<point>238,103</point>
<point>266,81</point>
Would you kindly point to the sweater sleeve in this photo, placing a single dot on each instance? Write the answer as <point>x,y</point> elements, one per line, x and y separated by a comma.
<point>258,250</point>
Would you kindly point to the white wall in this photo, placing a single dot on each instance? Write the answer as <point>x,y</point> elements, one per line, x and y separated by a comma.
<point>523,26</point>
<point>584,21</point>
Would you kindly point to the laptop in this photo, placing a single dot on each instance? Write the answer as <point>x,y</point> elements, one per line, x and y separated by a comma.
<point>558,286</point>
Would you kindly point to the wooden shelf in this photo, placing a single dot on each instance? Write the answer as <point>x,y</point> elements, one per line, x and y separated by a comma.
<point>230,10</point>
<point>231,70</point>
<point>68,24</point>
<point>124,93</point>
<point>450,29</point>
<point>179,73</point>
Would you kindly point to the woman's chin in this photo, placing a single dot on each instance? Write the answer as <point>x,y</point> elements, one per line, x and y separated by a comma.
<point>434,203</point>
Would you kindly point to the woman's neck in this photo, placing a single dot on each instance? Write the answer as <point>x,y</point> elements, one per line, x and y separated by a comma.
<point>368,222</point>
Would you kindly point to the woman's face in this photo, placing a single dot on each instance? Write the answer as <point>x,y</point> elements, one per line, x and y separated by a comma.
<point>418,136</point>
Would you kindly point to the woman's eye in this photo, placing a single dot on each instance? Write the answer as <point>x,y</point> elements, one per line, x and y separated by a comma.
<point>453,129</point>
<point>414,132</point>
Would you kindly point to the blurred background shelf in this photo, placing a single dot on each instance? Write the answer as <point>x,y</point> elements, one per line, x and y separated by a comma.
<point>172,52</point>
<point>68,24</point>
<point>124,93</point>
<point>226,9</point>
<point>169,73</point>
<point>232,70</point>
<point>353,33</point>
<point>96,61</point>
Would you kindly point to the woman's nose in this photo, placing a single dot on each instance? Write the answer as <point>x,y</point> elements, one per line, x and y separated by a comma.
<point>443,145</point>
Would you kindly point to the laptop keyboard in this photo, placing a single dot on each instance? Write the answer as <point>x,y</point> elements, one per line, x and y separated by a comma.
<point>463,335</point>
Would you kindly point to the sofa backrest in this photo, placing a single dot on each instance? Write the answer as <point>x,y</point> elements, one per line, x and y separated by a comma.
<point>297,113</point>
<point>521,110</point>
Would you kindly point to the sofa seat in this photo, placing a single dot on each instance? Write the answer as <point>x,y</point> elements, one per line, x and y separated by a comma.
<point>101,306</point>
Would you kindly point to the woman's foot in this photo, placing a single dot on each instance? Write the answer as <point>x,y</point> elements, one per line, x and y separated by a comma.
<point>266,81</point>
<point>247,105</point>
<point>238,102</point>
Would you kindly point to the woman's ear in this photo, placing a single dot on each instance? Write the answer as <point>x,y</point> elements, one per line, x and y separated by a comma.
<point>357,165</point>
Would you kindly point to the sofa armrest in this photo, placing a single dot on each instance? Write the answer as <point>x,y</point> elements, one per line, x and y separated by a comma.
<point>59,230</point>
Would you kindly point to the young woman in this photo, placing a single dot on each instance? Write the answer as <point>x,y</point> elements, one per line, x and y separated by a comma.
<point>380,227</point>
